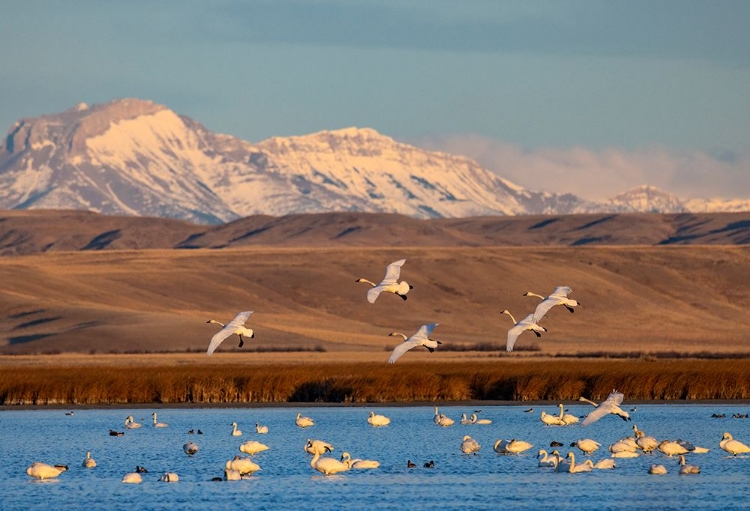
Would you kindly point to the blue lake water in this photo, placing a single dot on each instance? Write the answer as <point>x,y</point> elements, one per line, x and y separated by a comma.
<point>483,481</point>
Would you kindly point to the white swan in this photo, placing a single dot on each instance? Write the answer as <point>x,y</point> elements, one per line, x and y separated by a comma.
<point>41,470</point>
<point>132,478</point>
<point>624,445</point>
<point>671,448</point>
<point>605,464</point>
<point>190,448</point>
<point>517,446</point>
<point>420,338</point>
<point>158,424</point>
<point>231,474</point>
<point>358,464</point>
<point>469,445</point>
<point>611,405</point>
<point>169,477</point>
<point>378,420</point>
<point>732,446</point>
<point>688,469</point>
<point>88,462</point>
<point>253,447</point>
<point>236,326</point>
<point>475,420</point>
<point>242,465</point>
<point>625,454</point>
<point>546,460</point>
<point>130,423</point>
<point>575,469</point>
<point>389,284</point>
<point>657,469</point>
<point>558,297</point>
<point>586,445</point>
<point>442,419</point>
<point>327,466</point>
<point>235,431</point>
<point>645,443</point>
<point>318,447</point>
<point>304,422</point>
<point>567,418</point>
<point>464,420</point>
<point>561,464</point>
<point>551,420</point>
<point>519,327</point>
<point>261,430</point>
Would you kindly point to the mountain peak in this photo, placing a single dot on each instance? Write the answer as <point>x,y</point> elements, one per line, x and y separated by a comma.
<point>647,198</point>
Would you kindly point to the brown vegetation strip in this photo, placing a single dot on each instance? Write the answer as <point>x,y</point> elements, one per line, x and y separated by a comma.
<point>379,383</point>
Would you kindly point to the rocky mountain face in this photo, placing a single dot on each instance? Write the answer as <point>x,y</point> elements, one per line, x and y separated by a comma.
<point>134,157</point>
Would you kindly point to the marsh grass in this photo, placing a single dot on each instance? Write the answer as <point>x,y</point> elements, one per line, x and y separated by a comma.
<point>524,380</point>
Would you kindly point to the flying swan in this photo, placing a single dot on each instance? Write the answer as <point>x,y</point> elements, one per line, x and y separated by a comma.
<point>519,327</point>
<point>236,326</point>
<point>421,338</point>
<point>389,284</point>
<point>558,297</point>
<point>609,405</point>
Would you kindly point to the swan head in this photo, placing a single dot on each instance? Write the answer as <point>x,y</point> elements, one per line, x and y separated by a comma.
<point>726,436</point>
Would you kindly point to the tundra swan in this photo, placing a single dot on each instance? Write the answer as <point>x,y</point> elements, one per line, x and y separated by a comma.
<point>551,420</point>
<point>304,422</point>
<point>469,445</point>
<point>235,431</point>
<point>378,420</point>
<point>546,460</point>
<point>464,420</point>
<point>169,477</point>
<point>519,327</point>
<point>327,466</point>
<point>389,284</point>
<point>131,424</point>
<point>252,447</point>
<point>517,446</point>
<point>501,447</point>
<point>586,445</point>
<point>657,469</point>
<point>671,448</point>
<point>558,297</point>
<point>644,442</point>
<point>158,424</point>
<point>605,464</point>
<point>242,465</point>
<point>624,444</point>
<point>88,462</point>
<point>575,469</point>
<point>236,326</point>
<point>561,464</point>
<point>688,469</point>
<point>625,454</point>
<point>475,420</point>
<point>232,475</point>
<point>41,470</point>
<point>132,478</point>
<point>317,447</point>
<point>442,419</point>
<point>190,448</point>
<point>420,338</point>
<point>611,405</point>
<point>357,463</point>
<point>261,430</point>
<point>732,446</point>
<point>567,418</point>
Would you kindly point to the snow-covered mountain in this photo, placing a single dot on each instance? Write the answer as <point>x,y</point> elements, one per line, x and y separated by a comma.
<point>135,157</point>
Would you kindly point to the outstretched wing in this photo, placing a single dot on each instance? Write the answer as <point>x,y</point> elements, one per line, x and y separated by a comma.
<point>373,293</point>
<point>562,291</point>
<point>614,398</point>
<point>424,332</point>
<point>401,349</point>
<point>543,308</point>
<point>238,321</point>
<point>594,416</point>
<point>513,334</point>
<point>393,272</point>
<point>218,338</point>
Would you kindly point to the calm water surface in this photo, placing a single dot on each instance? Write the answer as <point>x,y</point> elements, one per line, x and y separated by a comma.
<point>483,481</point>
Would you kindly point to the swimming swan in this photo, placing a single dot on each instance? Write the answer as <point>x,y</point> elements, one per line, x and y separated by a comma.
<point>442,419</point>
<point>304,422</point>
<point>469,445</point>
<point>358,464</point>
<point>586,445</point>
<point>646,443</point>
<point>519,327</point>
<point>261,430</point>
<point>131,424</point>
<point>41,470</point>
<point>378,420</point>
<point>464,420</point>
<point>420,338</point>
<point>575,469</point>
<point>158,424</point>
<point>567,418</point>
<point>517,446</point>
<point>688,469</point>
<point>252,447</point>
<point>327,466</point>
<point>231,474</point>
<point>88,462</point>
<point>551,420</point>
<point>546,460</point>
<point>236,326</point>
<point>475,420</point>
<point>169,477</point>
<point>235,431</point>
<point>611,405</point>
<point>317,447</point>
<point>190,448</point>
<point>605,464</point>
<point>389,284</point>
<point>671,448</point>
<point>558,297</point>
<point>132,478</point>
<point>732,446</point>
<point>657,469</point>
<point>242,465</point>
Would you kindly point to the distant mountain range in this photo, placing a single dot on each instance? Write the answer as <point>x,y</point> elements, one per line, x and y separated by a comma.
<point>137,158</point>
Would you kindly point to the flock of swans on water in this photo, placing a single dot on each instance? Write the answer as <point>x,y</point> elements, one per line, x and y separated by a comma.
<point>391,284</point>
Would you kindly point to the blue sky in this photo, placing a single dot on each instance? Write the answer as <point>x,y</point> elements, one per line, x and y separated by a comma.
<point>583,96</point>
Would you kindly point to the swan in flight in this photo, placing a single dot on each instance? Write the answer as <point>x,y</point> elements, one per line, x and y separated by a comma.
<point>304,422</point>
<point>318,447</point>
<point>253,447</point>
<point>558,297</point>
<point>519,327</point>
<point>131,424</point>
<point>378,420</point>
<point>169,477</point>
<point>39,470</point>
<point>657,469</point>
<point>242,465</point>
<point>327,466</point>
<point>469,445</point>
<point>732,446</point>
<point>688,469</point>
<point>235,431</point>
<point>421,338</point>
<point>357,463</point>
<point>389,284</point>
<point>236,326</point>
<point>476,420</point>
<point>261,430</point>
<point>88,462</point>
<point>190,448</point>
<point>158,424</point>
<point>609,405</point>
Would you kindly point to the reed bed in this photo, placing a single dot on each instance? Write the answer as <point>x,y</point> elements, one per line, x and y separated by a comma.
<point>527,380</point>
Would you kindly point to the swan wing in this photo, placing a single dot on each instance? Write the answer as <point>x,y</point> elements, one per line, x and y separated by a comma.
<point>614,398</point>
<point>513,334</point>
<point>561,291</point>
<point>392,272</point>
<point>597,414</point>
<point>401,349</point>
<point>373,293</point>
<point>543,308</point>
<point>218,338</point>
<point>424,331</point>
<point>238,321</point>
